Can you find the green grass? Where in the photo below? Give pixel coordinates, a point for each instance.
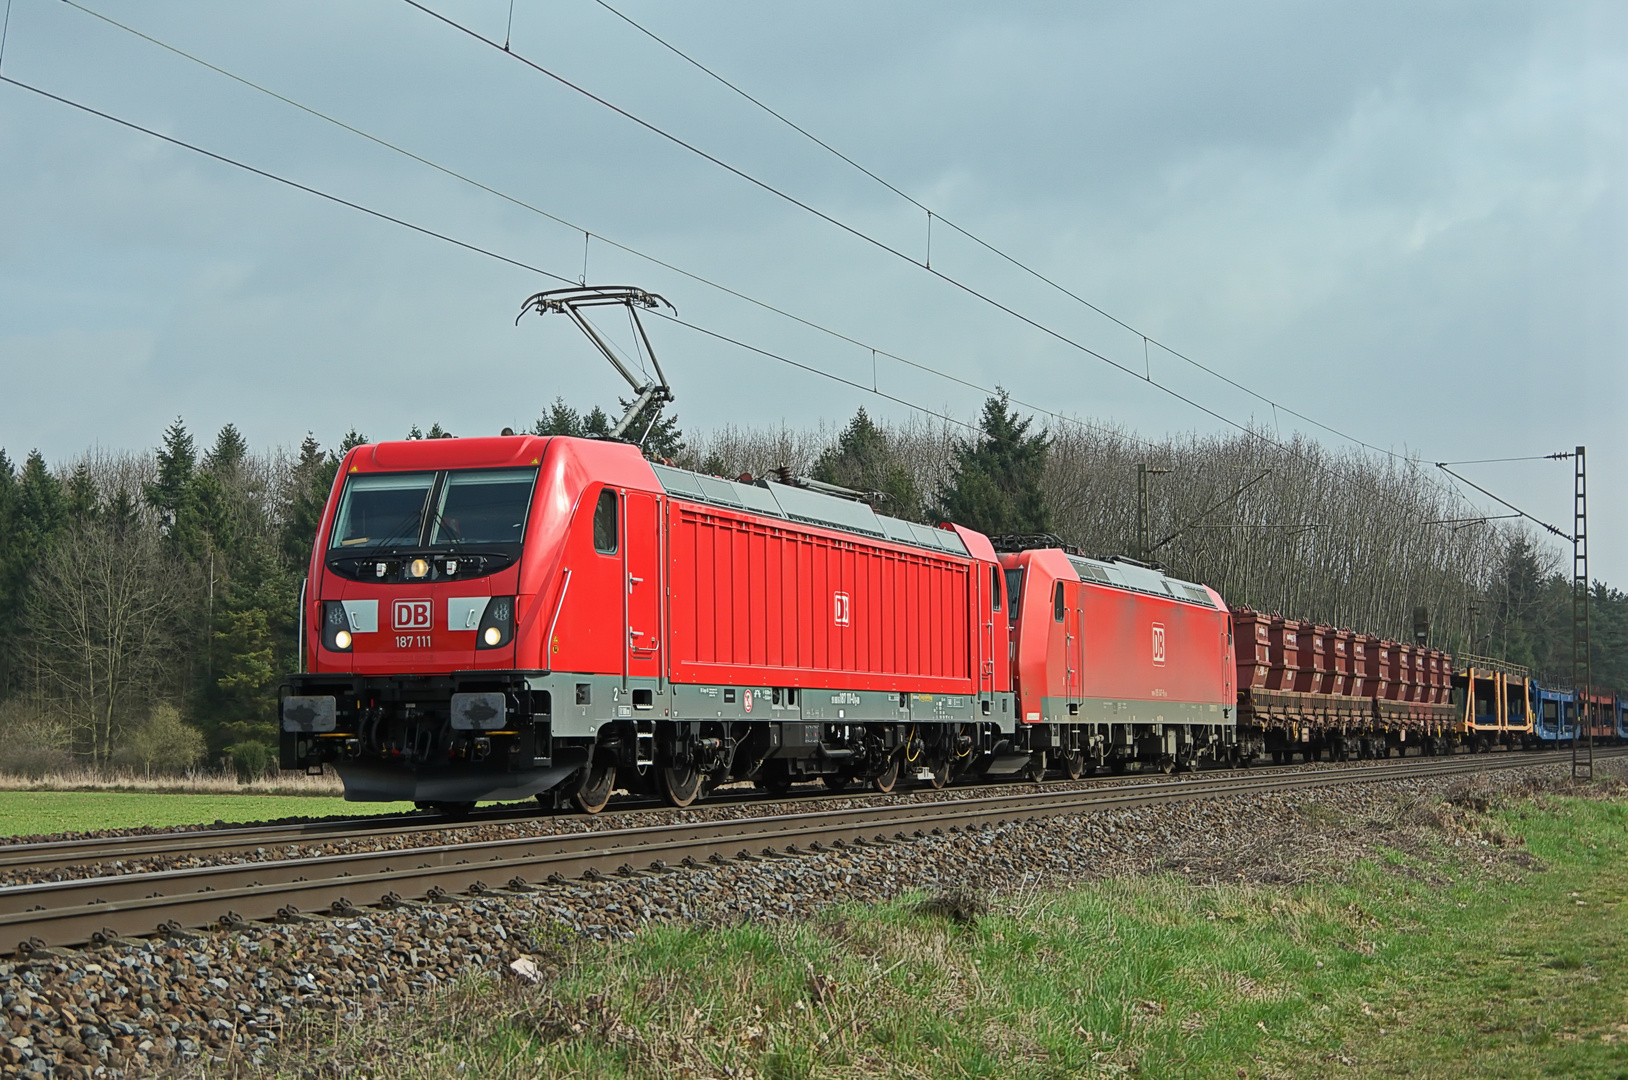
(1423, 962)
(33, 813)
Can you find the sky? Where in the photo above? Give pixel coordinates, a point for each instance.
(1407, 222)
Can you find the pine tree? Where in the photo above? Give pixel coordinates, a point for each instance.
(174, 495)
(596, 425)
(560, 419)
(996, 484)
(309, 483)
(662, 441)
(254, 645)
(863, 459)
(81, 497)
(42, 512)
(226, 457)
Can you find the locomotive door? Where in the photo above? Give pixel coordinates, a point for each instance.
(1075, 644)
(990, 607)
(642, 563)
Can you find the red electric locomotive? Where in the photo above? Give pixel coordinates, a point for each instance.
(1122, 662)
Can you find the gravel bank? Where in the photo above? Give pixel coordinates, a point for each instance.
(162, 1005)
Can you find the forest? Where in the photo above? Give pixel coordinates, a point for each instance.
(148, 601)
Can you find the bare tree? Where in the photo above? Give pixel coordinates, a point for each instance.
(1346, 538)
(102, 614)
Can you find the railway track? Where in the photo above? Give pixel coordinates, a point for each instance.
(54, 854)
(96, 909)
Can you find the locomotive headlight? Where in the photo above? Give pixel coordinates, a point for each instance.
(419, 568)
(336, 629)
(496, 624)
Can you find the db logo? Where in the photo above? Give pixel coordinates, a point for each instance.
(844, 608)
(410, 615)
(1158, 644)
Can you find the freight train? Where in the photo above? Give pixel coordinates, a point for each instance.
(516, 616)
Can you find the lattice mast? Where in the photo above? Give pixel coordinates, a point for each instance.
(1582, 747)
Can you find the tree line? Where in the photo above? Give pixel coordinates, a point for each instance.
(148, 601)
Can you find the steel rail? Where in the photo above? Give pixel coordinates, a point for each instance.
(51, 854)
(45, 854)
(74, 912)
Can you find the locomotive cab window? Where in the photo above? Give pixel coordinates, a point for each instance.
(1057, 604)
(994, 588)
(449, 509)
(382, 510)
(1014, 593)
(483, 506)
(605, 531)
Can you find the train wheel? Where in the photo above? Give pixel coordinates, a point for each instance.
(888, 778)
(1074, 764)
(941, 773)
(836, 782)
(678, 784)
(594, 788)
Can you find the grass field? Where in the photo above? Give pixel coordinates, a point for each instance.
(1436, 963)
(37, 813)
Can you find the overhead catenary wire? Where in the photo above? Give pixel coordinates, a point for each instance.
(588, 234)
(1248, 429)
(857, 232)
(5, 31)
(318, 192)
(817, 371)
(985, 244)
(1442, 465)
(873, 389)
(1495, 460)
(475, 248)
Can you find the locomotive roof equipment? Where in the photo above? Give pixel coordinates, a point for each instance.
(571, 301)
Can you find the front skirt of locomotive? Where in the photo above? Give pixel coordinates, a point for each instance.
(447, 739)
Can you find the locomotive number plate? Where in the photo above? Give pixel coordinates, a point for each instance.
(412, 641)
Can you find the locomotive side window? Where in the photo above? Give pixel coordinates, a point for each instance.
(1014, 593)
(484, 506)
(1057, 604)
(995, 588)
(382, 510)
(605, 523)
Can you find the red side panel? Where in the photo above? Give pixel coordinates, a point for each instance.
(1114, 644)
(1146, 648)
(756, 600)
